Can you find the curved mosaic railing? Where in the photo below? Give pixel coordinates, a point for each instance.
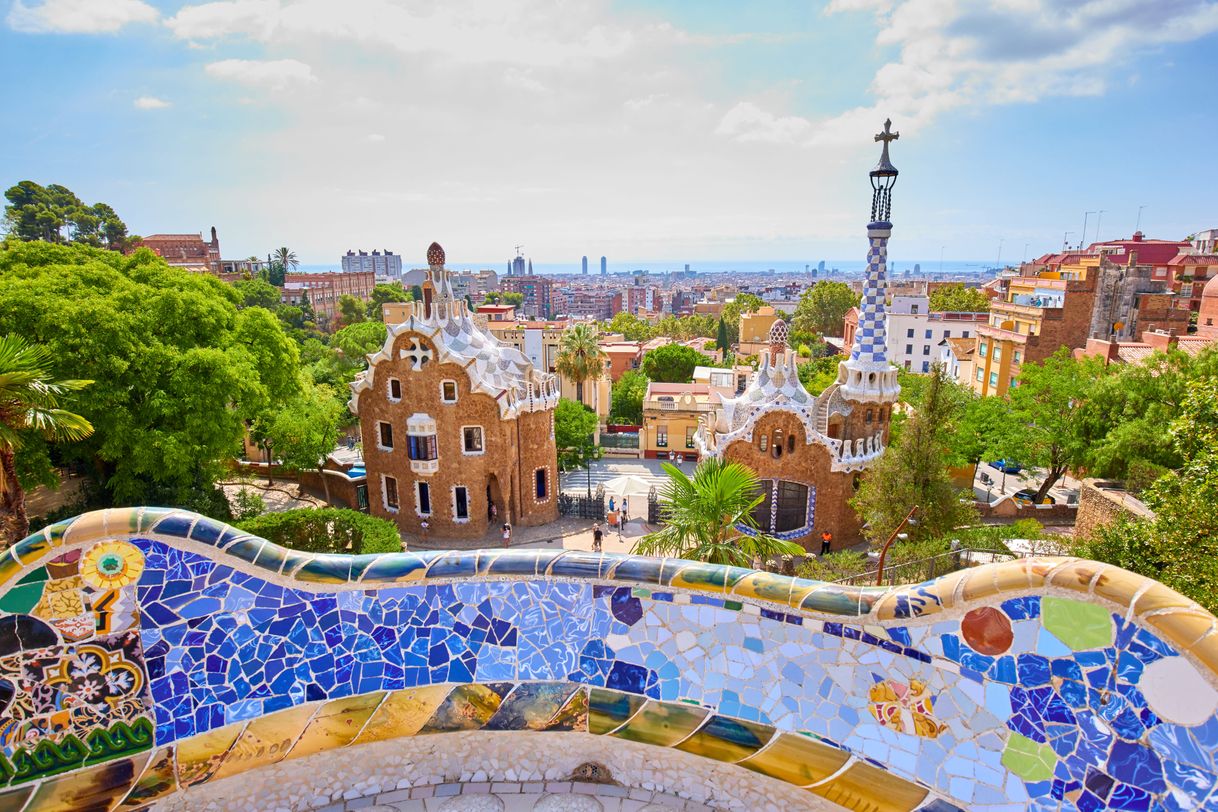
(143, 651)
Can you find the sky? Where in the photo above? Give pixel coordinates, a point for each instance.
(667, 130)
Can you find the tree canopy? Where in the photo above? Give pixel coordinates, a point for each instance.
(958, 299)
(178, 368)
(817, 374)
(913, 471)
(574, 432)
(627, 398)
(55, 214)
(631, 327)
(673, 363)
(384, 293)
(733, 310)
(580, 357)
(822, 308)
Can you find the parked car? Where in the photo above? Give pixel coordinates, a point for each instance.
(1006, 466)
(1028, 497)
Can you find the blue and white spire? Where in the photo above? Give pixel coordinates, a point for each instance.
(868, 375)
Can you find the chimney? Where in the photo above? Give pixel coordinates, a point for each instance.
(1137, 236)
(1102, 348)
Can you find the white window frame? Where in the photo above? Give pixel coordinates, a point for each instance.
(456, 391)
(418, 499)
(389, 390)
(468, 505)
(379, 434)
(385, 493)
(481, 433)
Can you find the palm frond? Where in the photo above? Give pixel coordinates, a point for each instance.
(58, 424)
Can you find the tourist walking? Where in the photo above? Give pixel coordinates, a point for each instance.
(596, 538)
(826, 542)
(507, 535)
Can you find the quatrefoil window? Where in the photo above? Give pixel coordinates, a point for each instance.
(417, 354)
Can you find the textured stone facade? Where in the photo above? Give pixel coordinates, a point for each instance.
(454, 423)
(1100, 503)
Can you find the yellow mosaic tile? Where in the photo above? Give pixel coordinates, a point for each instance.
(467, 707)
(266, 740)
(796, 759)
(1184, 628)
(727, 740)
(100, 787)
(403, 713)
(200, 756)
(662, 723)
(764, 585)
(157, 781)
(865, 788)
(573, 715)
(92, 526)
(336, 724)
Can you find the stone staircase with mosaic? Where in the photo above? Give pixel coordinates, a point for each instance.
(152, 658)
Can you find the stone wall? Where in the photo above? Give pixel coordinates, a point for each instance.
(1101, 503)
(157, 657)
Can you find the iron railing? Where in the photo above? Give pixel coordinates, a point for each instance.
(582, 505)
(925, 569)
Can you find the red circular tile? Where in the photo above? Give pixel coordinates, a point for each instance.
(987, 631)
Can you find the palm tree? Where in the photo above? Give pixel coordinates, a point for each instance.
(287, 259)
(704, 515)
(580, 357)
(29, 401)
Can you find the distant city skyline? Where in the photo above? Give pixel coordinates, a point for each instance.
(655, 129)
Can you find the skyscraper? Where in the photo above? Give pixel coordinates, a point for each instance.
(604, 267)
(530, 267)
(585, 266)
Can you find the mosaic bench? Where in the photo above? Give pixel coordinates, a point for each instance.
(147, 653)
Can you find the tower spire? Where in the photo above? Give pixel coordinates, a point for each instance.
(867, 375)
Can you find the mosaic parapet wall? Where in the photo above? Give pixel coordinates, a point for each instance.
(146, 651)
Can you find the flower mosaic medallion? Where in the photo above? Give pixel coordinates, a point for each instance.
(112, 565)
(905, 708)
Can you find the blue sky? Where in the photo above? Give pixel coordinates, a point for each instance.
(640, 130)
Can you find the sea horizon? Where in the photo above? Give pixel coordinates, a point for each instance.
(842, 266)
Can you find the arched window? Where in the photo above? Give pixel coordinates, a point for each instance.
(790, 443)
(777, 446)
(764, 442)
(868, 415)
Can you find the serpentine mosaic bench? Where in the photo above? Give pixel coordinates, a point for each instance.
(148, 654)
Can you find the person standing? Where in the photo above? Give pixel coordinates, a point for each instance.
(826, 542)
(507, 535)
(597, 535)
(625, 510)
(493, 511)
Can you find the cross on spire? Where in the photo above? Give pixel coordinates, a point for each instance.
(888, 134)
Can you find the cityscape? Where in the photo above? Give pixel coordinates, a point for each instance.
(362, 381)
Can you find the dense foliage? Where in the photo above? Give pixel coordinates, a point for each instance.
(580, 357)
(958, 299)
(627, 398)
(822, 308)
(574, 434)
(327, 530)
(673, 363)
(178, 368)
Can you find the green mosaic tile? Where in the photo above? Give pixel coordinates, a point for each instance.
(1029, 760)
(1079, 625)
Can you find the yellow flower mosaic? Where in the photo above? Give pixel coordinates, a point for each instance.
(112, 565)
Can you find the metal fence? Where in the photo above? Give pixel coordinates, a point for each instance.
(582, 505)
(925, 569)
(622, 439)
(653, 507)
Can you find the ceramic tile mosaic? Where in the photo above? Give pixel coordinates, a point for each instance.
(146, 650)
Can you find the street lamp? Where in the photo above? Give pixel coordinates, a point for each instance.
(910, 520)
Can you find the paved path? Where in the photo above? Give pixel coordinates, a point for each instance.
(576, 482)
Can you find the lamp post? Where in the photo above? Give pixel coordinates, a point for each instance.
(909, 519)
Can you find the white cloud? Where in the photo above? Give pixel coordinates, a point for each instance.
(748, 122)
(150, 103)
(256, 18)
(374, 138)
(78, 16)
(275, 74)
(956, 53)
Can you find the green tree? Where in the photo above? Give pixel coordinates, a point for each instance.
(958, 299)
(1047, 419)
(703, 517)
(55, 214)
(817, 374)
(627, 398)
(359, 340)
(178, 369)
(913, 471)
(351, 310)
(673, 363)
(721, 341)
(580, 357)
(257, 293)
(1179, 546)
(822, 308)
(304, 431)
(575, 435)
(384, 293)
(286, 259)
(631, 327)
(29, 405)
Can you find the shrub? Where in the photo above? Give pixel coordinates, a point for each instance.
(248, 505)
(834, 566)
(327, 530)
